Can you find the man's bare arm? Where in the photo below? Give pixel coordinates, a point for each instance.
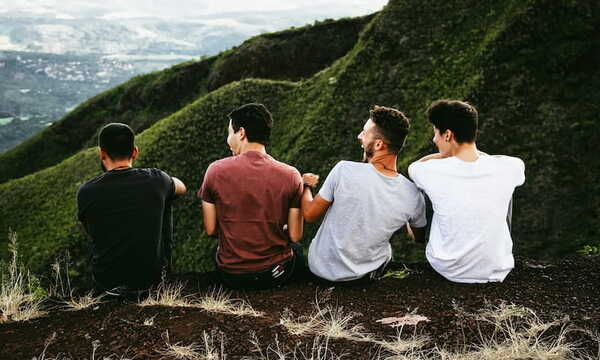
(179, 186)
(312, 209)
(209, 215)
(295, 224)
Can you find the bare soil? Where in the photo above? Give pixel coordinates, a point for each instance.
(116, 327)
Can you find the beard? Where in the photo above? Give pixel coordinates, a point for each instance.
(368, 151)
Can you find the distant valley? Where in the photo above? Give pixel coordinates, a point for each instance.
(49, 64)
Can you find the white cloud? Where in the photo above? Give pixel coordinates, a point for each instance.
(186, 8)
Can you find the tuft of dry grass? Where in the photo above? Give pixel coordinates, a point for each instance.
(318, 350)
(329, 322)
(170, 295)
(337, 324)
(220, 301)
(301, 325)
(17, 302)
(207, 351)
(83, 302)
(399, 345)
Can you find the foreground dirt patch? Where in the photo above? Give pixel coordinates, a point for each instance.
(565, 296)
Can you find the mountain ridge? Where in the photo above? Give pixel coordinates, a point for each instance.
(506, 58)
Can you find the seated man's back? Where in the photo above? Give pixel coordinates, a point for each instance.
(367, 207)
(469, 238)
(127, 213)
(363, 204)
(470, 192)
(252, 202)
(253, 194)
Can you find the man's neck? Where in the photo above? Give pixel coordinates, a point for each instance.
(385, 163)
(466, 152)
(118, 165)
(252, 146)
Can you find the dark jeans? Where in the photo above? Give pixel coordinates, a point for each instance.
(429, 215)
(278, 274)
(367, 279)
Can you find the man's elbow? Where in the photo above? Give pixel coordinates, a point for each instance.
(296, 237)
(210, 229)
(308, 216)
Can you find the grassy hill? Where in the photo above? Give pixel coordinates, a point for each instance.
(529, 66)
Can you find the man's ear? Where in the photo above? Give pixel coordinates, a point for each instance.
(448, 135)
(242, 133)
(135, 153)
(380, 144)
(102, 154)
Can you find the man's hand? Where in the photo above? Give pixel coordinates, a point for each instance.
(310, 179)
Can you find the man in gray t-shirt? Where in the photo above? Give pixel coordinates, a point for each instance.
(364, 204)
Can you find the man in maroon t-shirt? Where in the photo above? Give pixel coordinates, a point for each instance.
(253, 202)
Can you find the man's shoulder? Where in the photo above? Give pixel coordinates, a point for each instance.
(284, 166)
(223, 164)
(511, 160)
(352, 165)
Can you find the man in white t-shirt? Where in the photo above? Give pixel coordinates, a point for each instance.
(364, 204)
(471, 192)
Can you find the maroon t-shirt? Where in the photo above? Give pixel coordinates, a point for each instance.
(252, 193)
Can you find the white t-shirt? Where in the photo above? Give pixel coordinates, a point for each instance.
(367, 208)
(470, 240)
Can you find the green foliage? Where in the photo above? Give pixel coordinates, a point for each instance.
(589, 250)
(529, 67)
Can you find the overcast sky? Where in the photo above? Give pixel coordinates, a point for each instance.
(184, 8)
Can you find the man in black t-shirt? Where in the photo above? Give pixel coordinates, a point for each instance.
(126, 211)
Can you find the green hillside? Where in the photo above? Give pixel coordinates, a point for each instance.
(529, 66)
(287, 55)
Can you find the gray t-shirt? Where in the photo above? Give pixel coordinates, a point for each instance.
(367, 208)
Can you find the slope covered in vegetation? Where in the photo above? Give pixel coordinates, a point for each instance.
(529, 66)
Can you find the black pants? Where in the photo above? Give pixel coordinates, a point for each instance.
(368, 278)
(278, 274)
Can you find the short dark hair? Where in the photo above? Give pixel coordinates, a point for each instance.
(256, 121)
(117, 140)
(458, 116)
(391, 125)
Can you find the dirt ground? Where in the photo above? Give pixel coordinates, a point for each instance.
(567, 292)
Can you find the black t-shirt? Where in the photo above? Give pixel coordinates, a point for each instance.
(127, 214)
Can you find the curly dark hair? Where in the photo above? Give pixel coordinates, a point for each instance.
(391, 125)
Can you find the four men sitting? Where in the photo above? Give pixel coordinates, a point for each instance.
(256, 205)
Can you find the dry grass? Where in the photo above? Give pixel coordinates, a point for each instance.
(337, 324)
(318, 350)
(220, 301)
(329, 322)
(301, 325)
(207, 351)
(17, 302)
(82, 302)
(170, 295)
(95, 345)
(399, 345)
